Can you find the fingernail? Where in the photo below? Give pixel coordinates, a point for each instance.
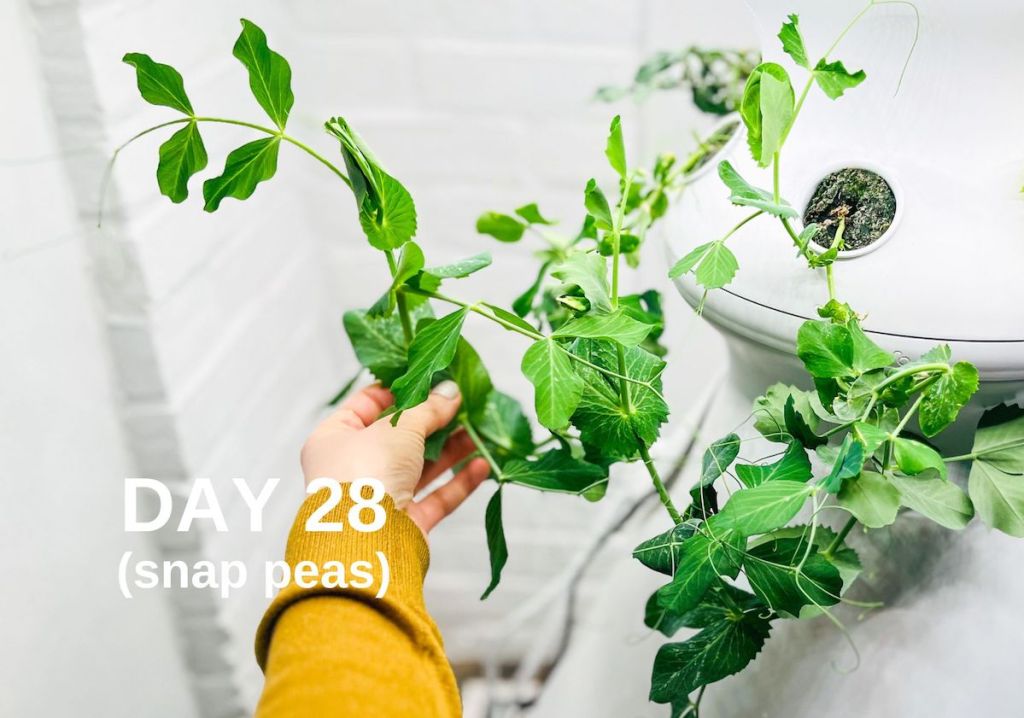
(447, 388)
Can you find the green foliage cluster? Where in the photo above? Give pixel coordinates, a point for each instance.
(595, 361)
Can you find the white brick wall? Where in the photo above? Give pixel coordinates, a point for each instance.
(224, 329)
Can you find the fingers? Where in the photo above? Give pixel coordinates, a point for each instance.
(457, 448)
(362, 408)
(435, 412)
(431, 510)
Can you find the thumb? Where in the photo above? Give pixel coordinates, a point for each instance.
(436, 412)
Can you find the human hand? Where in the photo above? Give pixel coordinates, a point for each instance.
(354, 442)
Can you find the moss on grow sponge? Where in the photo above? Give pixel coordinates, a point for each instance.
(862, 196)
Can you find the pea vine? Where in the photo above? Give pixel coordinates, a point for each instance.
(595, 361)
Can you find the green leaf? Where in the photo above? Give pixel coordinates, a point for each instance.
(942, 401)
(793, 42)
(718, 267)
(745, 194)
(602, 421)
(767, 110)
(409, 265)
(826, 349)
(379, 344)
(181, 156)
(871, 499)
(867, 356)
(244, 168)
(616, 327)
(589, 272)
(531, 214)
(834, 79)
(159, 84)
(469, 372)
(718, 458)
(662, 552)
(523, 304)
(938, 499)
(720, 650)
(913, 457)
(496, 546)
(770, 414)
(771, 570)
(502, 227)
(847, 465)
(509, 317)
(793, 466)
(871, 436)
(431, 351)
(597, 204)
(390, 220)
(996, 482)
(270, 77)
(557, 387)
(615, 150)
(555, 471)
(660, 618)
(461, 268)
(765, 507)
(798, 428)
(689, 261)
(703, 559)
(504, 425)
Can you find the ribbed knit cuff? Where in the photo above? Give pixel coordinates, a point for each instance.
(400, 541)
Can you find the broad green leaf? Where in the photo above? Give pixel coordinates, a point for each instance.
(469, 372)
(159, 84)
(771, 569)
(870, 435)
(270, 77)
(703, 559)
(943, 400)
(531, 214)
(496, 546)
(745, 194)
(502, 227)
(181, 156)
(936, 498)
(615, 150)
(826, 349)
(718, 458)
(765, 507)
(793, 42)
(689, 261)
(834, 79)
(793, 466)
(379, 344)
(557, 387)
(660, 618)
(389, 221)
(718, 267)
(602, 422)
(720, 650)
(845, 559)
(662, 552)
(848, 465)
(913, 457)
(245, 168)
(858, 396)
(996, 482)
(504, 424)
(616, 327)
(461, 268)
(767, 110)
(409, 265)
(589, 272)
(597, 204)
(867, 355)
(770, 414)
(871, 499)
(556, 471)
(507, 316)
(798, 428)
(432, 350)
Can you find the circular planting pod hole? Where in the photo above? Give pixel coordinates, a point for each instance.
(864, 198)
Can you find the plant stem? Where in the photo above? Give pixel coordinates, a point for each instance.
(659, 485)
(481, 447)
(1012, 444)
(909, 371)
(841, 536)
(403, 307)
(775, 176)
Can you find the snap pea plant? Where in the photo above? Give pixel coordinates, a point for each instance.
(594, 359)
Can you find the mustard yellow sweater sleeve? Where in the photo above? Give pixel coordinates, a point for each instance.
(343, 652)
